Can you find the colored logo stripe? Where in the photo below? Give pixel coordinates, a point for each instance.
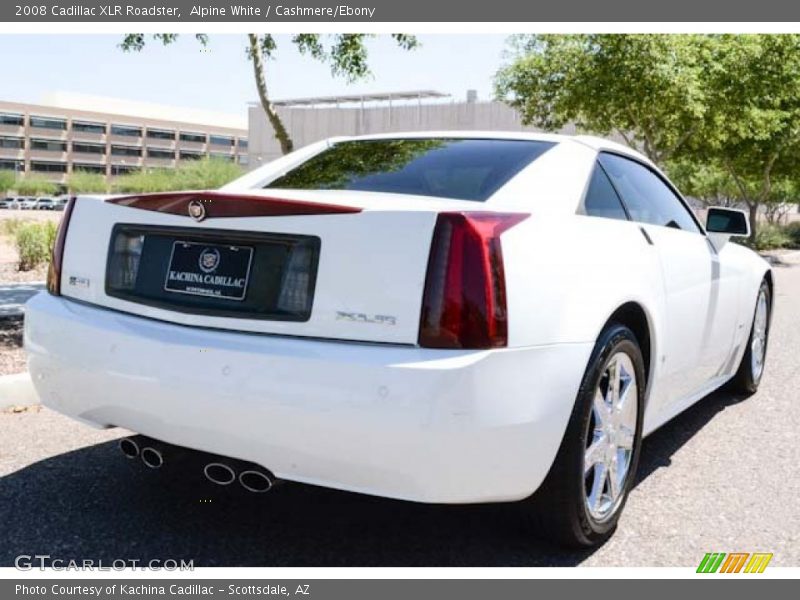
(735, 561)
(758, 562)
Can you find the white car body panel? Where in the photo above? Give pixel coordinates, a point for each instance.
(358, 405)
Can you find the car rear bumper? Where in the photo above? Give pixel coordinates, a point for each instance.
(395, 421)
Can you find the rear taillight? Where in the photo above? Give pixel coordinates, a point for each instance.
(57, 257)
(464, 304)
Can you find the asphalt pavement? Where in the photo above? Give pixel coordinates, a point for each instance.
(723, 477)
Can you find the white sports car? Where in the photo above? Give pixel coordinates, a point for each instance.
(444, 317)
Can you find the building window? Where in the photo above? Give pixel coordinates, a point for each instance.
(12, 142)
(122, 169)
(48, 123)
(48, 145)
(88, 148)
(160, 134)
(12, 165)
(126, 151)
(197, 138)
(126, 131)
(48, 167)
(221, 140)
(189, 155)
(160, 153)
(86, 127)
(222, 156)
(12, 119)
(89, 168)
(243, 143)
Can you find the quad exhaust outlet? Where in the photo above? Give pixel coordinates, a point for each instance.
(216, 469)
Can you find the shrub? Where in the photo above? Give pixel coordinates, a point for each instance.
(10, 226)
(792, 230)
(35, 185)
(771, 237)
(34, 243)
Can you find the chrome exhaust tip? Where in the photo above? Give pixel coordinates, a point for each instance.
(256, 481)
(129, 448)
(219, 473)
(152, 457)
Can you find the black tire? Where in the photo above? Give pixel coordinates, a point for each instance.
(558, 509)
(746, 381)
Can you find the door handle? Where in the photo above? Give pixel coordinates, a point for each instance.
(646, 235)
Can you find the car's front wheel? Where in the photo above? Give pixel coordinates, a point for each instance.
(583, 495)
(748, 376)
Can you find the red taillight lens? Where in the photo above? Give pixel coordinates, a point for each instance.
(57, 257)
(464, 305)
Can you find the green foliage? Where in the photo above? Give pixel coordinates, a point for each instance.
(646, 88)
(7, 181)
(708, 182)
(346, 161)
(345, 54)
(203, 174)
(10, 226)
(771, 237)
(34, 242)
(35, 185)
(792, 230)
(727, 103)
(206, 173)
(85, 182)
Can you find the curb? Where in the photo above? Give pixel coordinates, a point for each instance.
(17, 390)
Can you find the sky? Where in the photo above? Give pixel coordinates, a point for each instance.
(220, 77)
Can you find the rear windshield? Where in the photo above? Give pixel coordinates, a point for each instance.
(464, 169)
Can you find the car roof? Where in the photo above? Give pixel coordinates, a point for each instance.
(595, 142)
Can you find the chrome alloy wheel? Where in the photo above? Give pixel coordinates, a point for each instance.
(610, 437)
(758, 344)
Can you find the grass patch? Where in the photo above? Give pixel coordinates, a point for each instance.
(34, 242)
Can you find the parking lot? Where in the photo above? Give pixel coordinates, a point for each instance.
(721, 477)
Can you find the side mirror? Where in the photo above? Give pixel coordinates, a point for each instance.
(727, 221)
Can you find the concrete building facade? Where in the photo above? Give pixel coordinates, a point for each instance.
(54, 141)
(311, 120)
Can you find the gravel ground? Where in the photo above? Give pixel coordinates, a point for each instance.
(12, 356)
(721, 477)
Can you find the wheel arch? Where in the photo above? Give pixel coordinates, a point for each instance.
(635, 317)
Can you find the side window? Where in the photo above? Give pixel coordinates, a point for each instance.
(601, 199)
(647, 198)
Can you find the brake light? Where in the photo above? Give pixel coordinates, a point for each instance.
(57, 256)
(464, 303)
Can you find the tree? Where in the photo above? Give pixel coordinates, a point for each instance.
(84, 182)
(753, 122)
(35, 185)
(647, 89)
(710, 183)
(7, 181)
(727, 103)
(346, 54)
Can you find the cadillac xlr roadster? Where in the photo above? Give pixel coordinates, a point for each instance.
(443, 317)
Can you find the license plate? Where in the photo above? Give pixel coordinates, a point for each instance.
(212, 270)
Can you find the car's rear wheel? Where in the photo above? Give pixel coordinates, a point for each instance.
(582, 497)
(751, 369)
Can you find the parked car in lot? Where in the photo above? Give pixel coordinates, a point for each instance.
(7, 202)
(45, 204)
(445, 317)
(28, 203)
(60, 203)
(16, 203)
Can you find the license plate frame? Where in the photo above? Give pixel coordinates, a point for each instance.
(204, 288)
